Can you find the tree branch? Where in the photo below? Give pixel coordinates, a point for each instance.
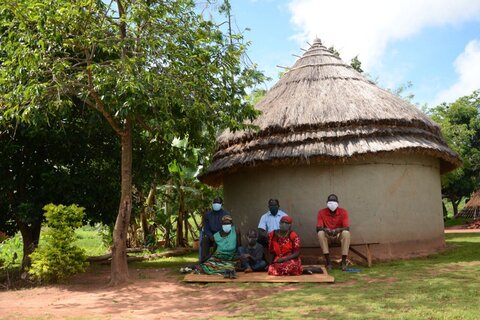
(99, 105)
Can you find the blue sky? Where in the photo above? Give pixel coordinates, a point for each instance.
(434, 44)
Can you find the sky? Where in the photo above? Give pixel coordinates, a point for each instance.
(433, 44)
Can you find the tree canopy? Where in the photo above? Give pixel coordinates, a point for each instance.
(145, 66)
(460, 124)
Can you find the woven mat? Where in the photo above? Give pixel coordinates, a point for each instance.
(261, 277)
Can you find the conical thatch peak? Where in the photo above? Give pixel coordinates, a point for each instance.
(324, 110)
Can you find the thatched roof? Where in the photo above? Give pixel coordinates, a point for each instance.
(472, 207)
(323, 110)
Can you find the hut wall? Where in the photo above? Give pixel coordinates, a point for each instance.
(393, 200)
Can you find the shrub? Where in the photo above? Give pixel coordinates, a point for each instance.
(58, 258)
(10, 252)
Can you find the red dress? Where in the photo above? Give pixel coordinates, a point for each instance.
(282, 247)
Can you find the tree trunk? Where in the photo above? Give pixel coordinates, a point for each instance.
(119, 266)
(147, 212)
(185, 228)
(455, 207)
(181, 213)
(168, 227)
(30, 237)
(445, 211)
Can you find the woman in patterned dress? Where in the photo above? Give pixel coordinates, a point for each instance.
(224, 256)
(284, 244)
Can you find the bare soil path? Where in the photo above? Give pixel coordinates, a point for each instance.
(151, 294)
(461, 229)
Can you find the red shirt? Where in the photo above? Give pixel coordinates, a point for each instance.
(325, 219)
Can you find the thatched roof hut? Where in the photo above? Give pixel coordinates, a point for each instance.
(326, 128)
(472, 207)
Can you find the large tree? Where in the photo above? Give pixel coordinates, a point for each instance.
(460, 124)
(150, 65)
(69, 159)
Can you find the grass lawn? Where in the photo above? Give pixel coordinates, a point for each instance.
(443, 286)
(90, 239)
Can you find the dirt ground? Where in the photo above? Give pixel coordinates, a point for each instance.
(461, 229)
(151, 294)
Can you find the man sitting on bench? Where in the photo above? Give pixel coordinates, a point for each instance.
(333, 225)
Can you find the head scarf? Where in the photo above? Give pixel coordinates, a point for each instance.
(287, 219)
(227, 218)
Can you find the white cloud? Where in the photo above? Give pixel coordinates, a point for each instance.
(467, 66)
(366, 27)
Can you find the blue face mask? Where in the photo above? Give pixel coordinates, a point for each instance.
(216, 206)
(226, 227)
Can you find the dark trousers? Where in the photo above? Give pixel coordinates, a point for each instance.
(206, 245)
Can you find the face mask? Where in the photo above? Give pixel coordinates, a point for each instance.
(273, 210)
(332, 205)
(284, 226)
(226, 227)
(216, 206)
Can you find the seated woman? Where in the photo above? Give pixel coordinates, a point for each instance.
(284, 244)
(224, 257)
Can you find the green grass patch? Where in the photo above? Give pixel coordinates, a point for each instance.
(169, 262)
(90, 239)
(449, 222)
(442, 286)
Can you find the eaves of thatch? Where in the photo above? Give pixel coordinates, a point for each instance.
(472, 207)
(322, 110)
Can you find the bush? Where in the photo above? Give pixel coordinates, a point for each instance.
(10, 252)
(58, 258)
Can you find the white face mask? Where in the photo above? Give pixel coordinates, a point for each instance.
(216, 206)
(332, 205)
(226, 227)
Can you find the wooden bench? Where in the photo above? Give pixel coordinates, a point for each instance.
(367, 258)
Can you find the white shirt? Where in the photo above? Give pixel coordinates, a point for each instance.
(270, 222)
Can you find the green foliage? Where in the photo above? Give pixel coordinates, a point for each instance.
(183, 196)
(154, 70)
(89, 238)
(449, 222)
(356, 64)
(162, 64)
(106, 235)
(334, 51)
(401, 91)
(460, 124)
(58, 257)
(10, 252)
(61, 160)
(256, 95)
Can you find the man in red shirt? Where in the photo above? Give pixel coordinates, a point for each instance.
(333, 225)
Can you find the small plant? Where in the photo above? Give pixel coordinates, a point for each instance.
(106, 233)
(58, 258)
(10, 257)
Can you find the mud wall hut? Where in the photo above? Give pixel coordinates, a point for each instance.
(325, 128)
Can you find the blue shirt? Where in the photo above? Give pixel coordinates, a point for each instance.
(212, 222)
(270, 222)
